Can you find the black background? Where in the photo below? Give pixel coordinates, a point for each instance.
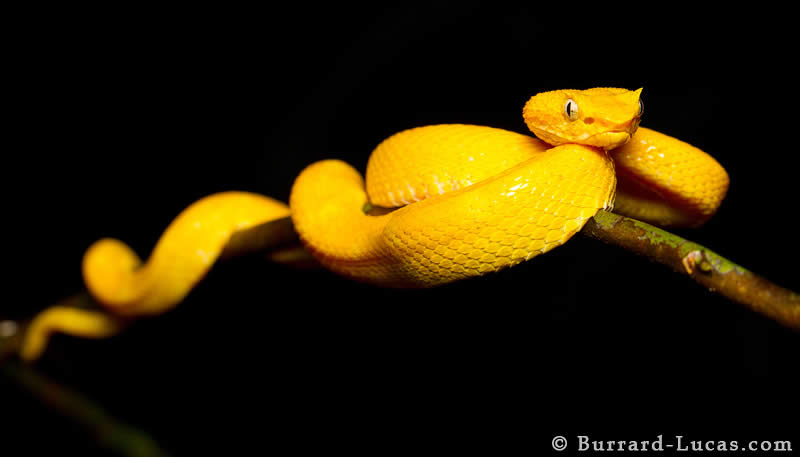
(122, 117)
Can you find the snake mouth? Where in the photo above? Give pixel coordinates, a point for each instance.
(609, 140)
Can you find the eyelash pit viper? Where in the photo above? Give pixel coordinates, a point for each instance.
(470, 200)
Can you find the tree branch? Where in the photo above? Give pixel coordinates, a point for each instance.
(269, 236)
(280, 242)
(121, 438)
(704, 266)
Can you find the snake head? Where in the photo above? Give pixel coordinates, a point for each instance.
(604, 117)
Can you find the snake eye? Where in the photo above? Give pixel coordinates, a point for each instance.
(571, 109)
(641, 108)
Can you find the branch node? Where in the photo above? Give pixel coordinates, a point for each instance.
(696, 259)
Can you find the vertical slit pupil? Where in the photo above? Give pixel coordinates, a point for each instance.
(571, 109)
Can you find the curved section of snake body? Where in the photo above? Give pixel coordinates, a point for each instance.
(117, 278)
(467, 229)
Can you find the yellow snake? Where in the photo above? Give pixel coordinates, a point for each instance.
(470, 199)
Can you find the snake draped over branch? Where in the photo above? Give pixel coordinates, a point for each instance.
(457, 201)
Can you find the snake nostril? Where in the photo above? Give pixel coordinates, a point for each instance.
(588, 120)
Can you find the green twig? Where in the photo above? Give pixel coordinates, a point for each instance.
(266, 237)
(121, 438)
(685, 257)
(111, 434)
(703, 265)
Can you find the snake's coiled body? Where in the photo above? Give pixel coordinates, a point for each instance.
(467, 230)
(471, 200)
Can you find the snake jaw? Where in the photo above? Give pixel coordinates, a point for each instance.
(609, 140)
(615, 135)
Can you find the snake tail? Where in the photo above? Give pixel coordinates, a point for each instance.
(117, 278)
